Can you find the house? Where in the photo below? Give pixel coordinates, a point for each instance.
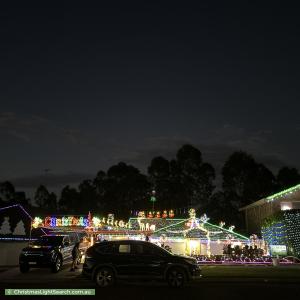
(257, 212)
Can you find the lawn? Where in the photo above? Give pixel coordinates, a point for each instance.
(266, 272)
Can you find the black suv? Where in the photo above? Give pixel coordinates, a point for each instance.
(48, 251)
(106, 262)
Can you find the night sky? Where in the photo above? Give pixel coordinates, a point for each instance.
(86, 86)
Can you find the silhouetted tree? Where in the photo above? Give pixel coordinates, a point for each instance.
(287, 177)
(69, 201)
(88, 196)
(125, 189)
(196, 177)
(7, 191)
(52, 203)
(246, 179)
(20, 197)
(159, 176)
(41, 196)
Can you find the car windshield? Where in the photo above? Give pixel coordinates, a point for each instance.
(48, 241)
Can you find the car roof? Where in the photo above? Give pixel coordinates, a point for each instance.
(125, 241)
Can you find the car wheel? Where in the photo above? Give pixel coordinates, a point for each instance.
(57, 265)
(24, 268)
(176, 277)
(105, 277)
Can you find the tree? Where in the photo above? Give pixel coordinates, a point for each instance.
(20, 197)
(125, 190)
(196, 177)
(41, 196)
(69, 201)
(7, 191)
(88, 195)
(52, 202)
(223, 207)
(5, 227)
(20, 229)
(159, 176)
(45, 200)
(287, 177)
(245, 180)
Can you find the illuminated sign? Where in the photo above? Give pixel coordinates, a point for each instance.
(66, 221)
(78, 221)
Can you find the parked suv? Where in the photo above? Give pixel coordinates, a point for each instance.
(48, 251)
(106, 262)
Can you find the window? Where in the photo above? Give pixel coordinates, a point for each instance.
(124, 248)
(106, 248)
(148, 249)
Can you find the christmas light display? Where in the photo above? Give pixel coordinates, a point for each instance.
(19, 206)
(283, 193)
(284, 229)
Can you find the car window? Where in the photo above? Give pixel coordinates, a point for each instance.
(124, 248)
(148, 249)
(48, 240)
(106, 248)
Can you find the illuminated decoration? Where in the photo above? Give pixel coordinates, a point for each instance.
(65, 221)
(192, 213)
(153, 199)
(24, 212)
(96, 222)
(283, 193)
(20, 229)
(171, 213)
(89, 219)
(186, 228)
(37, 222)
(5, 227)
(110, 219)
(231, 228)
(283, 229)
(222, 224)
(204, 219)
(145, 226)
(156, 214)
(141, 214)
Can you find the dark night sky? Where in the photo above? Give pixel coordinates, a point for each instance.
(85, 86)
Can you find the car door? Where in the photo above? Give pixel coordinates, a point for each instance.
(150, 260)
(66, 249)
(123, 259)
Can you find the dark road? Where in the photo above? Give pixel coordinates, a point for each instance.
(201, 289)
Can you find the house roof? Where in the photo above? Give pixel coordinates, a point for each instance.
(274, 197)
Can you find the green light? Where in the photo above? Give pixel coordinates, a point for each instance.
(271, 198)
(171, 225)
(231, 232)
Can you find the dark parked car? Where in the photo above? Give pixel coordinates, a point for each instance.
(109, 261)
(48, 251)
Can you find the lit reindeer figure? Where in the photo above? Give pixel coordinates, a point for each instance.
(152, 227)
(231, 228)
(142, 225)
(222, 224)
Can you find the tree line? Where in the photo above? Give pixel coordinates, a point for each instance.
(180, 183)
